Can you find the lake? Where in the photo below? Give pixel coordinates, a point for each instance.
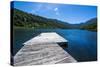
(82, 44)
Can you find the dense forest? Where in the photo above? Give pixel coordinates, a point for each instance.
(23, 19)
(90, 25)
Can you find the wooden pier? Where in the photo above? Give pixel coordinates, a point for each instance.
(43, 49)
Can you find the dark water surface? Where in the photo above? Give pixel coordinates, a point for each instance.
(82, 44)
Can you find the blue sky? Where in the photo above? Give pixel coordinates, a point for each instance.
(73, 14)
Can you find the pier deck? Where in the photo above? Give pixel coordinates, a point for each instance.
(39, 51)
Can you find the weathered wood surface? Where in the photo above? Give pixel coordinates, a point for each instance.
(50, 37)
(42, 53)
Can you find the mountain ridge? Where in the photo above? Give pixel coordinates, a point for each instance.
(27, 20)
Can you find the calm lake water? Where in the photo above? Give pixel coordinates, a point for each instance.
(82, 44)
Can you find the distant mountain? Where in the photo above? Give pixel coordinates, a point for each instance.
(90, 24)
(27, 20)
(23, 19)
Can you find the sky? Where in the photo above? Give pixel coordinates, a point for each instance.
(73, 14)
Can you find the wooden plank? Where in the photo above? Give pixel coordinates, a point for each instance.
(46, 38)
(41, 53)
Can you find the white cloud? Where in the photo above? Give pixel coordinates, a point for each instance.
(57, 13)
(45, 8)
(56, 9)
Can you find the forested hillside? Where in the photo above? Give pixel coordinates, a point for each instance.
(90, 25)
(23, 19)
